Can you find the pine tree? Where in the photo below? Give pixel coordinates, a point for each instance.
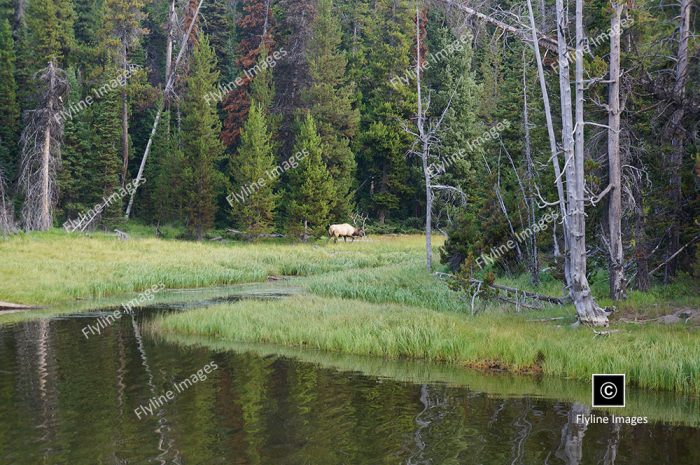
(330, 100)
(9, 109)
(87, 20)
(6, 10)
(105, 150)
(121, 34)
(253, 173)
(50, 32)
(310, 191)
(219, 26)
(166, 187)
(292, 73)
(392, 184)
(262, 88)
(76, 179)
(200, 139)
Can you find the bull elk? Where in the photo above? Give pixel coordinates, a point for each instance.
(346, 230)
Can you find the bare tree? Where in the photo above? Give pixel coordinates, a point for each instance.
(529, 179)
(617, 277)
(554, 150)
(589, 313)
(41, 150)
(172, 18)
(426, 137)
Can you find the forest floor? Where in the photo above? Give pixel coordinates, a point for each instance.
(370, 297)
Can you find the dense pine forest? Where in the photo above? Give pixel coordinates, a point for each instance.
(548, 137)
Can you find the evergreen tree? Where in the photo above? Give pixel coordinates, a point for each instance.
(393, 185)
(166, 187)
(219, 26)
(262, 88)
(330, 100)
(49, 32)
(87, 20)
(292, 73)
(104, 152)
(121, 34)
(310, 191)
(200, 140)
(253, 173)
(9, 109)
(77, 177)
(6, 10)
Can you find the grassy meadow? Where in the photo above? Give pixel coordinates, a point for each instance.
(55, 267)
(371, 297)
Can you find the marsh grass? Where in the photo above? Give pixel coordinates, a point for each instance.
(663, 406)
(404, 283)
(652, 357)
(55, 267)
(370, 297)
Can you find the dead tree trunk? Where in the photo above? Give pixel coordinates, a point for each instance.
(425, 150)
(125, 129)
(41, 151)
(641, 255)
(589, 313)
(170, 39)
(678, 137)
(552, 143)
(529, 179)
(617, 278)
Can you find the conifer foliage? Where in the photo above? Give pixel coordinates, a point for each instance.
(200, 139)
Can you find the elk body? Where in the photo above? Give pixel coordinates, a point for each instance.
(344, 230)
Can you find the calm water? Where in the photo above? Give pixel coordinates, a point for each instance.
(65, 399)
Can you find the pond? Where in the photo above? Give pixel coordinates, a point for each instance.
(125, 396)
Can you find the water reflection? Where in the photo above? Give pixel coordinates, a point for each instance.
(65, 399)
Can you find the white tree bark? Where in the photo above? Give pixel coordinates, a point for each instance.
(529, 177)
(588, 312)
(617, 278)
(170, 39)
(552, 142)
(425, 151)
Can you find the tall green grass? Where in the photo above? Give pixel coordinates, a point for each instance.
(405, 283)
(663, 406)
(652, 356)
(53, 267)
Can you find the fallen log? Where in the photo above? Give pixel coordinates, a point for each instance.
(235, 232)
(11, 306)
(121, 235)
(527, 294)
(605, 333)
